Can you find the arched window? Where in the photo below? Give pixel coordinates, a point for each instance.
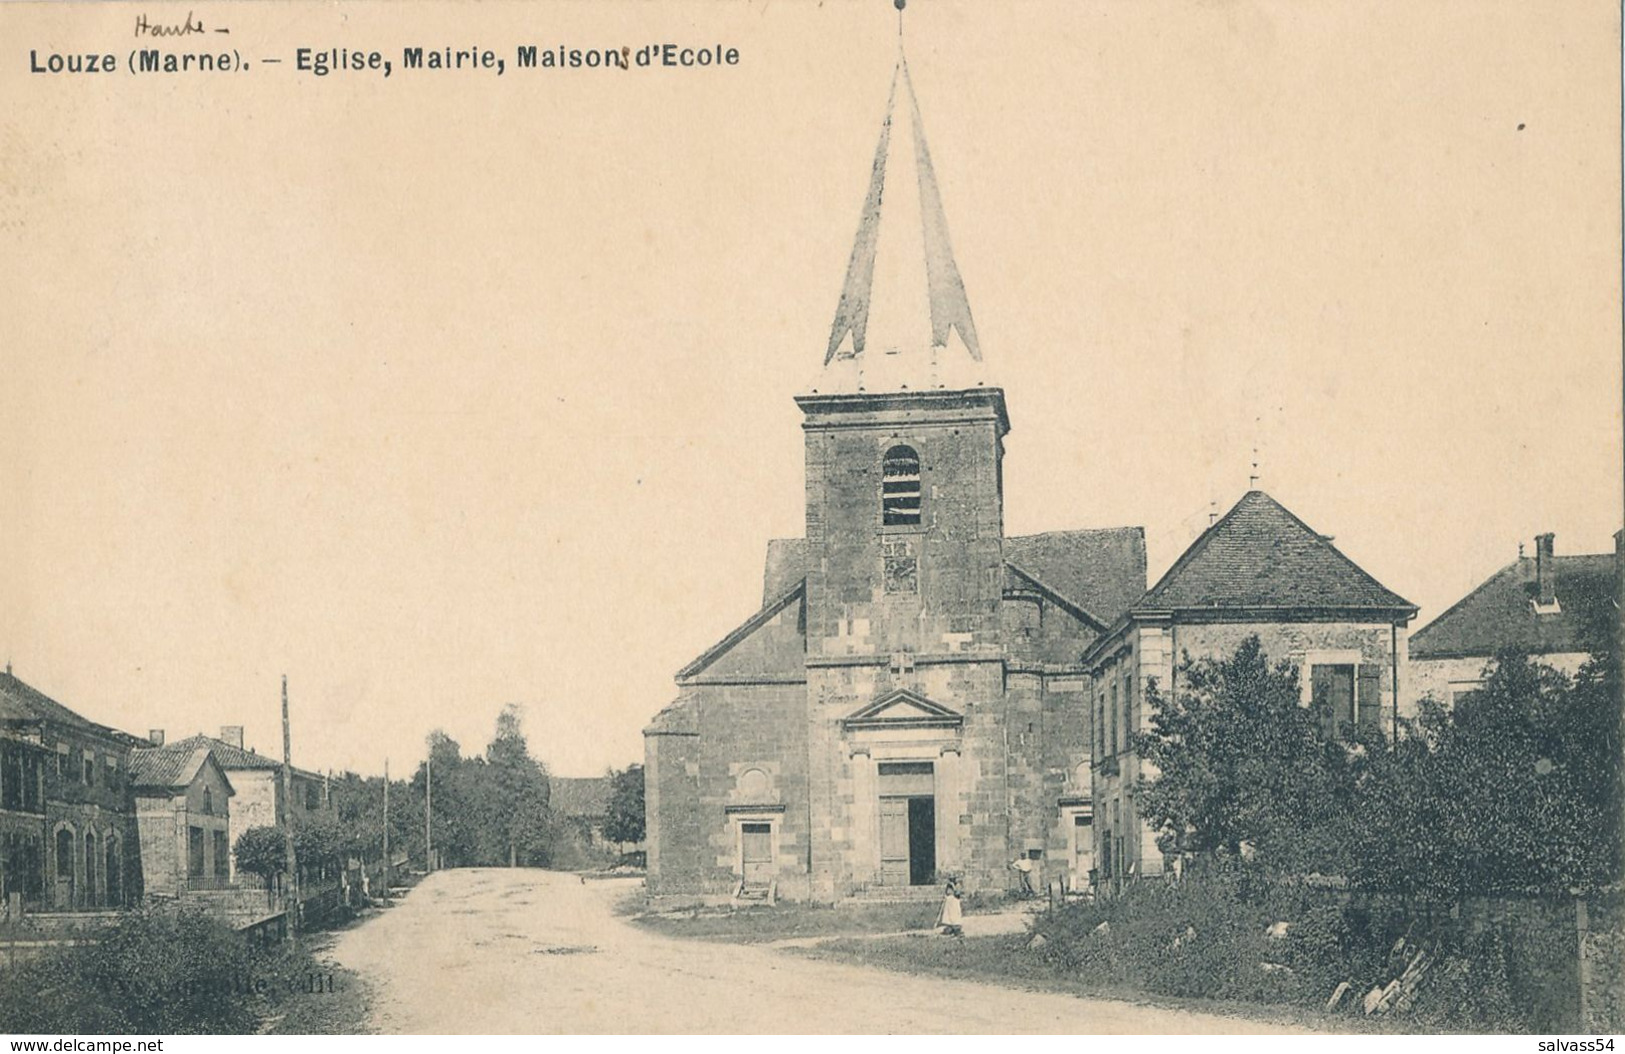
(114, 874)
(900, 487)
(64, 853)
(90, 867)
(208, 802)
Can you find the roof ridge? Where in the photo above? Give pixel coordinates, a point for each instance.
(1076, 608)
(1494, 577)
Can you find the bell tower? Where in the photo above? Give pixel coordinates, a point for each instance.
(905, 536)
(904, 436)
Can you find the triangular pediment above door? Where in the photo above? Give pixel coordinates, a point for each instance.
(902, 708)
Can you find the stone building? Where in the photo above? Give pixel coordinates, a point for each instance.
(256, 780)
(67, 823)
(1256, 571)
(1556, 609)
(908, 702)
(183, 808)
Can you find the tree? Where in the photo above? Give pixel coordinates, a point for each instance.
(1515, 790)
(624, 821)
(517, 798)
(261, 851)
(319, 842)
(1241, 760)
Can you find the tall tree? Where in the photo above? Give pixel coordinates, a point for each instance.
(518, 792)
(624, 821)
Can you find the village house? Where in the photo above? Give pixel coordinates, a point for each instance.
(1256, 571)
(183, 808)
(1556, 609)
(259, 799)
(67, 820)
(908, 702)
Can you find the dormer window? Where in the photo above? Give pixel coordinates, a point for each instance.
(900, 487)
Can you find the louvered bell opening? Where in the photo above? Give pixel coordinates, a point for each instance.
(900, 487)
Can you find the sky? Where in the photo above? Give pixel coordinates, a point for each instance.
(447, 391)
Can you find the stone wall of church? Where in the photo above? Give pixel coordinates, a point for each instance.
(741, 757)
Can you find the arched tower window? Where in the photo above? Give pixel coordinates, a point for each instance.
(900, 487)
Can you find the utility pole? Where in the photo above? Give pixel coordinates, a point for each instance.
(386, 828)
(428, 812)
(291, 893)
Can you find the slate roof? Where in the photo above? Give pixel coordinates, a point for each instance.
(1259, 555)
(1498, 614)
(1102, 571)
(23, 702)
(169, 767)
(584, 797)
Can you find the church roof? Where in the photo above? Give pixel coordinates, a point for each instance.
(1101, 571)
(1260, 556)
(903, 320)
(1500, 613)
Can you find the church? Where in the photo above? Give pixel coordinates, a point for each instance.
(909, 703)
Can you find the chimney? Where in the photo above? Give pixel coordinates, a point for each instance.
(1545, 570)
(155, 736)
(232, 735)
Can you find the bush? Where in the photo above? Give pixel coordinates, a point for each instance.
(1209, 937)
(152, 972)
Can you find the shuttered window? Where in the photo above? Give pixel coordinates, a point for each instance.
(900, 487)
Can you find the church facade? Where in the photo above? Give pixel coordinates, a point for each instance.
(909, 703)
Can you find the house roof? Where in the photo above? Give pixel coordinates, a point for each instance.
(229, 757)
(1499, 613)
(573, 796)
(23, 702)
(1260, 556)
(171, 767)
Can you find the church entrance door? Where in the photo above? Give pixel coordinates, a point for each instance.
(908, 824)
(922, 841)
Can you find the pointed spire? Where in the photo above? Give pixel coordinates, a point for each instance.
(903, 295)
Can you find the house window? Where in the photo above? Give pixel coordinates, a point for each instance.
(19, 778)
(1347, 695)
(208, 802)
(313, 797)
(64, 854)
(90, 866)
(1128, 707)
(900, 487)
(1111, 737)
(222, 856)
(194, 852)
(114, 872)
(1332, 688)
(90, 769)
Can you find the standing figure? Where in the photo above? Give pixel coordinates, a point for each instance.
(951, 920)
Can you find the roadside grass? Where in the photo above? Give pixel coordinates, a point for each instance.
(758, 924)
(1006, 961)
(315, 996)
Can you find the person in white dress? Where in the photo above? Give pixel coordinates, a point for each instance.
(951, 920)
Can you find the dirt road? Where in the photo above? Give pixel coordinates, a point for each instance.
(497, 951)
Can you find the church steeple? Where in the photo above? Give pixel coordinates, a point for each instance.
(903, 321)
